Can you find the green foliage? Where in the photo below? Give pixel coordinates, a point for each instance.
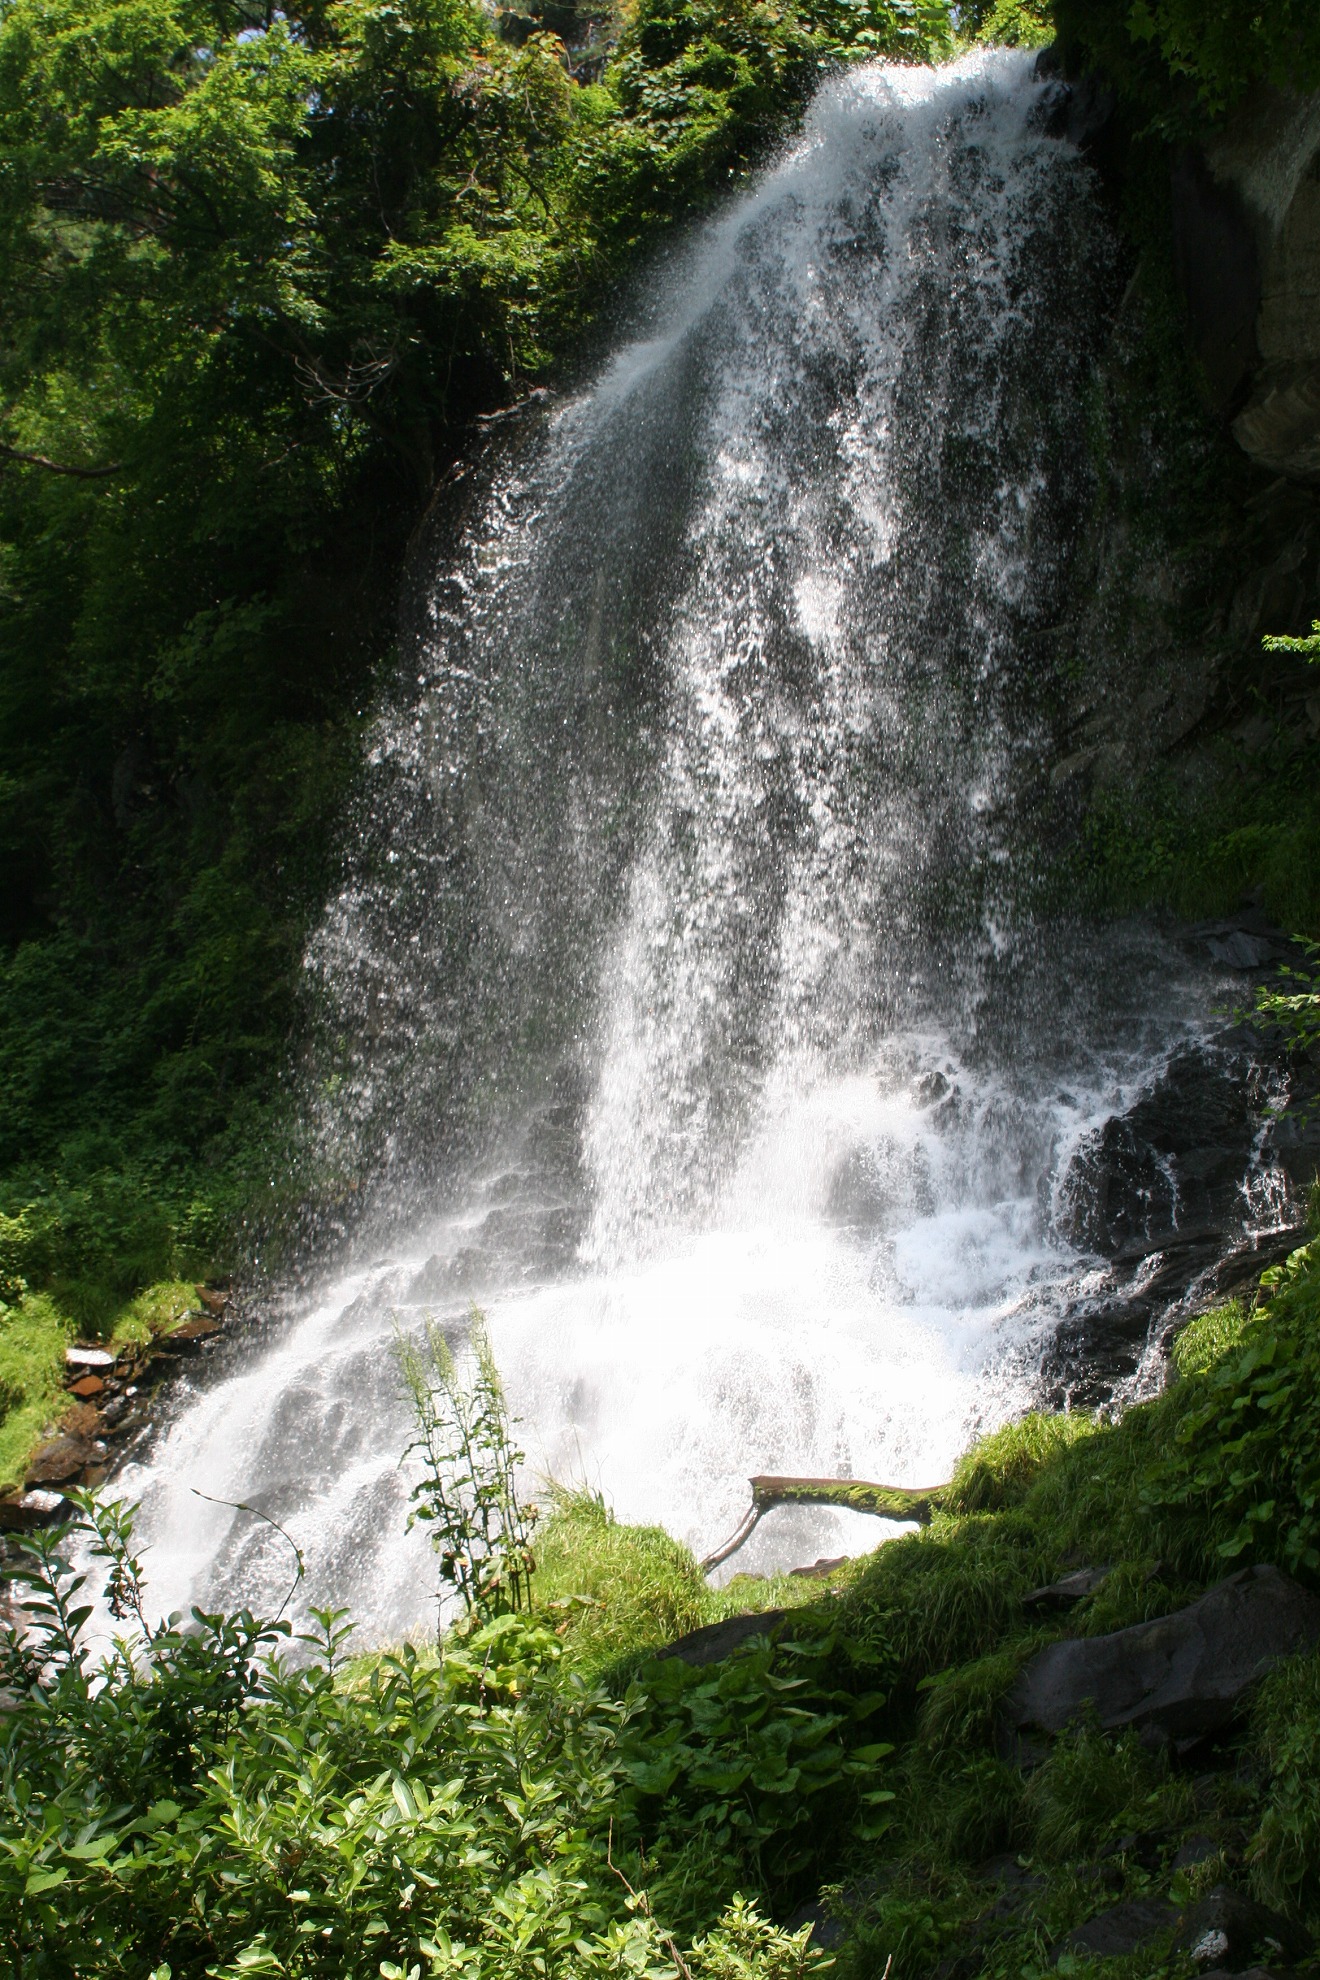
(1247, 823)
(1179, 59)
(33, 1337)
(1247, 1453)
(1285, 1854)
(748, 1760)
(1012, 23)
(1295, 1011)
(1308, 646)
(194, 1805)
(467, 1494)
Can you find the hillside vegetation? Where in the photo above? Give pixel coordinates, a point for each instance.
(544, 1796)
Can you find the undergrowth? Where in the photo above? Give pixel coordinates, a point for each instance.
(543, 1794)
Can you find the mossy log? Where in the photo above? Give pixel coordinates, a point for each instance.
(852, 1494)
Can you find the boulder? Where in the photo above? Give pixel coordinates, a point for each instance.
(1176, 1158)
(30, 1510)
(89, 1360)
(1124, 1928)
(1180, 1677)
(827, 1931)
(1067, 1590)
(1218, 272)
(716, 1641)
(62, 1461)
(1228, 1930)
(190, 1336)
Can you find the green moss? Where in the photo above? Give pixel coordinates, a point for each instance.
(1285, 1854)
(619, 1592)
(947, 1595)
(1208, 1338)
(1000, 1470)
(616, 1591)
(958, 1706)
(34, 1332)
(1092, 1787)
(33, 1336)
(157, 1310)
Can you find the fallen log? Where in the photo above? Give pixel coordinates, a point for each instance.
(850, 1494)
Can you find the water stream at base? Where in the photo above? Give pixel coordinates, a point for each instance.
(690, 1023)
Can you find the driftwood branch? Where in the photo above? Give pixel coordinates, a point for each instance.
(849, 1494)
(57, 467)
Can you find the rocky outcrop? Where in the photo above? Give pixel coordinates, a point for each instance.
(1223, 1931)
(108, 1408)
(1179, 1678)
(1247, 221)
(716, 1641)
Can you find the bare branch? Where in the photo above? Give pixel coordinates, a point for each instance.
(57, 467)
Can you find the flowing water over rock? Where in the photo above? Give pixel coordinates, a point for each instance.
(679, 1006)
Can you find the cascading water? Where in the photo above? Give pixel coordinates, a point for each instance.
(690, 1024)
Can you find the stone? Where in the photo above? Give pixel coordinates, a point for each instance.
(1252, 1973)
(89, 1360)
(716, 1641)
(1124, 1928)
(29, 1510)
(1268, 155)
(1241, 950)
(1069, 1589)
(1179, 1152)
(189, 1337)
(212, 1299)
(83, 1420)
(827, 1932)
(1180, 1677)
(1217, 268)
(1225, 1929)
(1280, 425)
(61, 1462)
(1196, 1849)
(86, 1387)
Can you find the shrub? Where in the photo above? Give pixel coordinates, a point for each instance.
(1285, 1854)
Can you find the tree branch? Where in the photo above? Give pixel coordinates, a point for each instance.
(57, 467)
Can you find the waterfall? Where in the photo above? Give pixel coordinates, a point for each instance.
(680, 1004)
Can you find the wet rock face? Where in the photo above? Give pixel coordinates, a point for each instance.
(1184, 1199)
(1267, 162)
(1174, 1161)
(1123, 1929)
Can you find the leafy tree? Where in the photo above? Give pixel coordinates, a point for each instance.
(1182, 61)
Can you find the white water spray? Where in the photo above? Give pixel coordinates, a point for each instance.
(661, 1045)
